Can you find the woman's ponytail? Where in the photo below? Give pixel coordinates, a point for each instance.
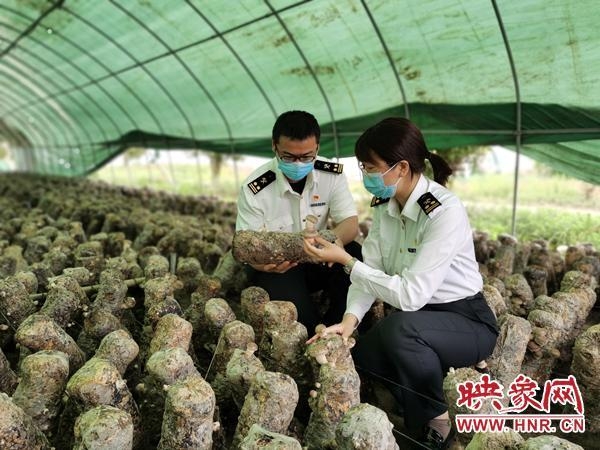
(441, 169)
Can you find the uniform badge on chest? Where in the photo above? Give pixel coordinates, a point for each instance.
(315, 201)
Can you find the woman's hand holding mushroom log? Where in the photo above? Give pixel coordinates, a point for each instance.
(274, 268)
(321, 250)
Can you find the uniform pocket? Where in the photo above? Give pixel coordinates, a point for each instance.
(281, 223)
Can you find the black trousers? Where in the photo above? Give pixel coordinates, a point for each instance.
(414, 350)
(298, 283)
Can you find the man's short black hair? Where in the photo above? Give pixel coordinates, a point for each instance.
(297, 125)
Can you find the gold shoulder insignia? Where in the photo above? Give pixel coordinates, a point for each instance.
(428, 202)
(376, 201)
(328, 166)
(262, 182)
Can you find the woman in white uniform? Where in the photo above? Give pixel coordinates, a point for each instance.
(419, 258)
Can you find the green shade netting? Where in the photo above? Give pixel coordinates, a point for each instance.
(80, 81)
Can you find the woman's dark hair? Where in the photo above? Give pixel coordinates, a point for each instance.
(395, 139)
(297, 125)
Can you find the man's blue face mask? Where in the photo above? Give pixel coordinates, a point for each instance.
(374, 183)
(295, 171)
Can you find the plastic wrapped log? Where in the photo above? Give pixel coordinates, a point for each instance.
(208, 287)
(511, 345)
(272, 247)
(231, 273)
(195, 315)
(40, 396)
(170, 365)
(188, 417)
(537, 278)
(40, 332)
(119, 348)
(208, 253)
(586, 368)
(502, 264)
(79, 274)
(99, 382)
(91, 256)
(279, 312)
(270, 403)
(365, 427)
(234, 335)
(217, 313)
(171, 331)
(520, 296)
(542, 257)
(29, 280)
(12, 261)
(557, 321)
(164, 368)
(338, 389)
(451, 381)
(15, 304)
(37, 247)
(17, 430)
(104, 428)
(504, 439)
(241, 370)
(43, 273)
(8, 379)
(189, 272)
(260, 439)
(130, 270)
(574, 253)
(575, 279)
(548, 441)
(522, 253)
(160, 309)
(283, 341)
(253, 300)
(494, 300)
(589, 265)
(482, 250)
(97, 324)
(63, 306)
(158, 289)
(156, 267)
(112, 293)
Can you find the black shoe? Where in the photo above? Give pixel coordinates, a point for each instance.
(482, 370)
(434, 440)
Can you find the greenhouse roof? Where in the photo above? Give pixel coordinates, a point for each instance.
(81, 81)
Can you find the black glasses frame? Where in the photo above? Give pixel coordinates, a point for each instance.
(293, 158)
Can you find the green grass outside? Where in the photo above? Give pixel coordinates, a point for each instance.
(561, 210)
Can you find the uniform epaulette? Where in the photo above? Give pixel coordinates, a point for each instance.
(428, 202)
(328, 166)
(262, 181)
(376, 201)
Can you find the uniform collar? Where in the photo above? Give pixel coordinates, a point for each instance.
(411, 209)
(283, 184)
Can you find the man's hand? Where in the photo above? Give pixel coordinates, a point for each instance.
(345, 329)
(274, 268)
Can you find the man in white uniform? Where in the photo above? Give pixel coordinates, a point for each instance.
(279, 195)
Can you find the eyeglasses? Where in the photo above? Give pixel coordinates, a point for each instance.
(364, 170)
(288, 157)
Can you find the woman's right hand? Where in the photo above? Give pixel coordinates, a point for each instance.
(345, 329)
(274, 268)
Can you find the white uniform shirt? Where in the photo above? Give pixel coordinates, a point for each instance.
(411, 258)
(276, 207)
